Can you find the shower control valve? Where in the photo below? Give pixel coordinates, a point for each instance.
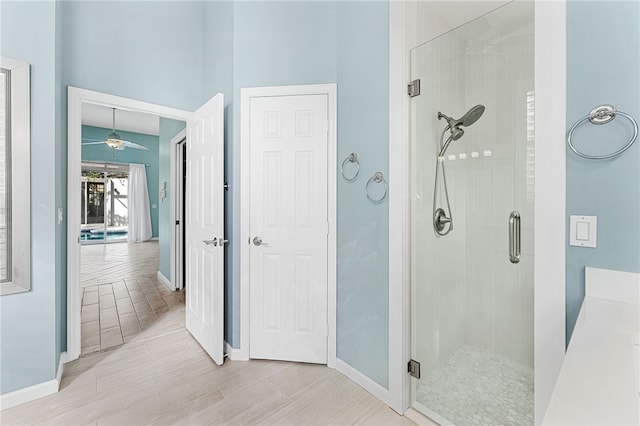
(440, 220)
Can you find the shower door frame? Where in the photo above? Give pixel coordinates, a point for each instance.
(550, 195)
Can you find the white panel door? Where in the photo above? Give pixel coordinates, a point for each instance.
(205, 227)
(288, 283)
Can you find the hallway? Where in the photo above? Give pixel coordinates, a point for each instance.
(122, 299)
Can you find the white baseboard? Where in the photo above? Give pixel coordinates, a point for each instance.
(31, 393)
(235, 354)
(63, 361)
(363, 381)
(165, 281)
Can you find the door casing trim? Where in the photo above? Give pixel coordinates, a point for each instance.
(246, 94)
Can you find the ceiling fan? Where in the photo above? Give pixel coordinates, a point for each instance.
(113, 139)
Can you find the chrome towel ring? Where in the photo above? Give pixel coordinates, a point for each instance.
(377, 178)
(353, 159)
(602, 115)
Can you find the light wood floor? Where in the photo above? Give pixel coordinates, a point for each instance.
(171, 380)
(162, 376)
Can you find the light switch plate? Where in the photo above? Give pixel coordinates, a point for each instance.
(583, 231)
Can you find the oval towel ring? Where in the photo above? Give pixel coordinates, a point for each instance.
(378, 177)
(352, 158)
(602, 115)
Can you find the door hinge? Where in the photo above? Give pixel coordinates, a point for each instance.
(413, 88)
(226, 186)
(413, 368)
(177, 222)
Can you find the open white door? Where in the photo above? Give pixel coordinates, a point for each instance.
(205, 227)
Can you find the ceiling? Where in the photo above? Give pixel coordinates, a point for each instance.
(130, 121)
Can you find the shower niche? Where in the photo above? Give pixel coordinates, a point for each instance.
(472, 325)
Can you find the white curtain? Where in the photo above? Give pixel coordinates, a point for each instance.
(138, 197)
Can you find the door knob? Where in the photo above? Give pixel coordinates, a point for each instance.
(257, 241)
(213, 242)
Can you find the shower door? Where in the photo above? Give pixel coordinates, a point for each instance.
(472, 308)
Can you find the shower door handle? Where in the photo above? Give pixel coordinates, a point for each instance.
(514, 237)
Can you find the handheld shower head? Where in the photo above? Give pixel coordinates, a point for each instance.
(456, 133)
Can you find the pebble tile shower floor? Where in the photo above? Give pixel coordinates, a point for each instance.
(477, 387)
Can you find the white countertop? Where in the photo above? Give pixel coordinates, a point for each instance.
(598, 382)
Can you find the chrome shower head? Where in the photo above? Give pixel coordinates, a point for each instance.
(466, 120)
(454, 125)
(472, 116)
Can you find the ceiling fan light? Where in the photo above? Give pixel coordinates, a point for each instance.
(114, 143)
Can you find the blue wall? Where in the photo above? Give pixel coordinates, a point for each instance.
(603, 66)
(363, 227)
(102, 152)
(275, 43)
(218, 46)
(168, 129)
(179, 54)
(153, 54)
(286, 43)
(61, 196)
(29, 338)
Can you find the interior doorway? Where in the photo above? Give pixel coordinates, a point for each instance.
(202, 313)
(179, 183)
(111, 257)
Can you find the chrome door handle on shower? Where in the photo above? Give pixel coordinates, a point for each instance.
(514, 237)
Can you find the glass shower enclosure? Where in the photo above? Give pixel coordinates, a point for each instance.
(472, 242)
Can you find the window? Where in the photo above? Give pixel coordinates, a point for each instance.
(15, 217)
